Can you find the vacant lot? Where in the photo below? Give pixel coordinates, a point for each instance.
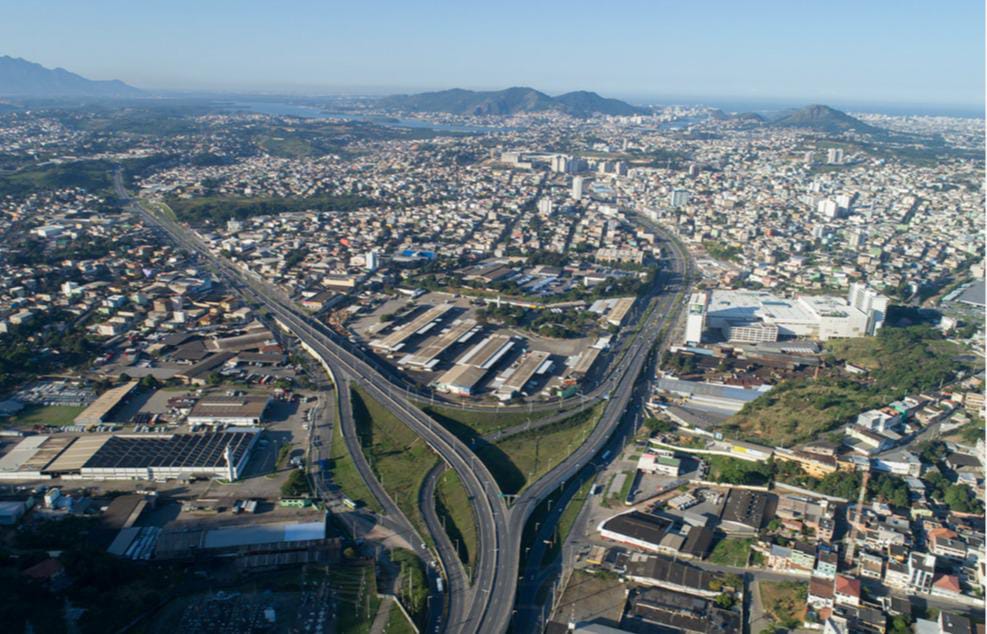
(731, 551)
(30, 416)
(784, 601)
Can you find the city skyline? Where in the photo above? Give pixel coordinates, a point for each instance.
(886, 55)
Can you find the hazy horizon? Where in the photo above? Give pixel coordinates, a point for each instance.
(881, 52)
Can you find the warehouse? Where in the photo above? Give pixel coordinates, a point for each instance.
(460, 380)
(125, 457)
(27, 460)
(271, 544)
(535, 362)
(428, 356)
(488, 352)
(581, 366)
(229, 410)
(100, 409)
(417, 326)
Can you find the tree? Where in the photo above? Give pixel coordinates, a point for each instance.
(724, 600)
(149, 382)
(296, 485)
(959, 498)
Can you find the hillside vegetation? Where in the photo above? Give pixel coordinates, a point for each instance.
(899, 361)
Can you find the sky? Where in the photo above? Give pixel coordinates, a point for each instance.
(829, 51)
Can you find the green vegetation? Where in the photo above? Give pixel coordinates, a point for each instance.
(397, 623)
(720, 250)
(46, 344)
(883, 487)
(958, 497)
(399, 458)
(971, 432)
(522, 458)
(412, 583)
(482, 423)
(731, 551)
(110, 592)
(784, 601)
(218, 209)
(92, 176)
(659, 425)
(344, 474)
(296, 485)
(453, 506)
(58, 415)
(900, 361)
(355, 589)
(736, 471)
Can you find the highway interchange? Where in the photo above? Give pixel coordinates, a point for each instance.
(486, 605)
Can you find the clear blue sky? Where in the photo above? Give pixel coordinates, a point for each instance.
(865, 51)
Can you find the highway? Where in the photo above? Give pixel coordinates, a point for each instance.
(496, 568)
(488, 605)
(664, 313)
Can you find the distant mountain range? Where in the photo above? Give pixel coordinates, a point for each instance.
(21, 78)
(509, 101)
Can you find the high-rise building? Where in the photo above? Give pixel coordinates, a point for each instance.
(678, 197)
(373, 260)
(696, 321)
(808, 157)
(545, 206)
(827, 207)
(869, 302)
(560, 164)
(834, 155)
(578, 187)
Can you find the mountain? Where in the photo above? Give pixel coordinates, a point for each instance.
(823, 119)
(507, 102)
(21, 78)
(583, 103)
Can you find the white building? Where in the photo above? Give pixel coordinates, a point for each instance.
(373, 261)
(696, 320)
(679, 197)
(757, 316)
(578, 187)
(828, 208)
(871, 303)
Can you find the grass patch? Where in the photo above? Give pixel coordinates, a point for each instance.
(784, 601)
(731, 551)
(59, 415)
(483, 423)
(397, 623)
(399, 458)
(521, 459)
(453, 506)
(344, 474)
